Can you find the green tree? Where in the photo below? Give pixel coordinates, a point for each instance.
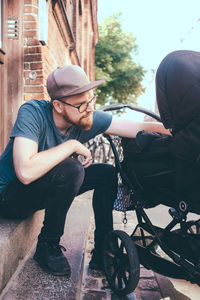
(114, 59)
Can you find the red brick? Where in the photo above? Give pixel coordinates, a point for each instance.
(32, 42)
(36, 81)
(27, 97)
(37, 96)
(39, 73)
(30, 9)
(33, 89)
(32, 57)
(34, 96)
(30, 25)
(30, 18)
(26, 66)
(35, 66)
(30, 33)
(26, 74)
(34, 2)
(29, 50)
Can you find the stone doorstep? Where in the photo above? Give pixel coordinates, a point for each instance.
(16, 239)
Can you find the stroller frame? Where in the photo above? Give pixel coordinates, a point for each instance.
(122, 254)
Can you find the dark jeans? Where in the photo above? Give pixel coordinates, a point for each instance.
(55, 192)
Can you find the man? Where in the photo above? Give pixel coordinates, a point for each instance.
(39, 167)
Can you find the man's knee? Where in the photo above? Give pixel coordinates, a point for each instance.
(68, 171)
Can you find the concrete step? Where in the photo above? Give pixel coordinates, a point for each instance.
(16, 239)
(29, 282)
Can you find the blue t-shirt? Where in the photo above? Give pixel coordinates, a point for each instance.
(35, 121)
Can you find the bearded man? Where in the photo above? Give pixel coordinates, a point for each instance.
(39, 168)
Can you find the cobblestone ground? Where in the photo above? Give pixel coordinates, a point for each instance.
(94, 284)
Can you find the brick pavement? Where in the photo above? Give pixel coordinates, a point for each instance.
(151, 286)
(94, 284)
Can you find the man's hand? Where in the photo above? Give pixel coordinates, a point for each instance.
(84, 155)
(86, 162)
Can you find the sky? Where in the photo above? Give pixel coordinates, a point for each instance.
(159, 26)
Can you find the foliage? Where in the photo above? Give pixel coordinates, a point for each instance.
(114, 63)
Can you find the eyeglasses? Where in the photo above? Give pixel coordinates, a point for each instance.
(83, 106)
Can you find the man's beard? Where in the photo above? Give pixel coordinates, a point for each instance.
(84, 123)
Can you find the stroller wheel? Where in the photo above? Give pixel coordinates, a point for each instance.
(121, 262)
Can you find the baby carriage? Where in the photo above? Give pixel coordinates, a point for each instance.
(151, 172)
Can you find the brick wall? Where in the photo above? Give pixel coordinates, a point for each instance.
(33, 63)
(56, 52)
(67, 43)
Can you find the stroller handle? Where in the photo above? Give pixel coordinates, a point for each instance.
(148, 112)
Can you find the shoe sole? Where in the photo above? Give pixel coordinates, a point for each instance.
(47, 270)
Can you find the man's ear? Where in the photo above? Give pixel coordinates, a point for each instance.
(57, 105)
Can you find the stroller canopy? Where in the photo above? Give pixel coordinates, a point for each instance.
(178, 99)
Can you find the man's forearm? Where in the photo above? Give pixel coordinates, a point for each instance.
(130, 129)
(36, 165)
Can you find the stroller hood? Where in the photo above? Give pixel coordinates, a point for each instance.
(178, 88)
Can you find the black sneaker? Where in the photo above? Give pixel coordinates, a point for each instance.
(51, 259)
(96, 262)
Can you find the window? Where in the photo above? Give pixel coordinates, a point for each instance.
(43, 21)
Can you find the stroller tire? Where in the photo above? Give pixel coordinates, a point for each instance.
(121, 262)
